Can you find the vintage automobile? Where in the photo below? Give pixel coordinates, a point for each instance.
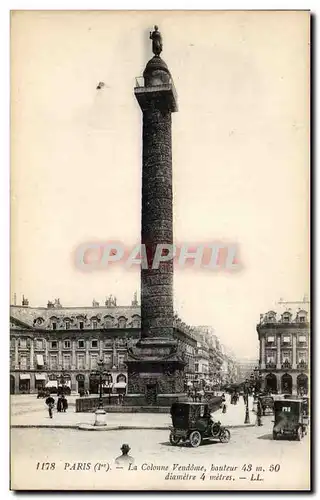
(192, 422)
(267, 404)
(290, 418)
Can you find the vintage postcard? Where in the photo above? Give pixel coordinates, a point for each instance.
(160, 313)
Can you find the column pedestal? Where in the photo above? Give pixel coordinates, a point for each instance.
(155, 373)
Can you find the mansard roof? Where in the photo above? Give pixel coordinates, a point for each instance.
(41, 317)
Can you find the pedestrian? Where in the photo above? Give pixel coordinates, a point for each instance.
(50, 404)
(64, 403)
(59, 404)
(125, 458)
(224, 408)
(259, 413)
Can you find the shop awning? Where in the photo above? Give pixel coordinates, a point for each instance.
(52, 383)
(40, 360)
(67, 383)
(24, 376)
(120, 385)
(40, 376)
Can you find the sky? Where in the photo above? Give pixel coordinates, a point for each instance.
(240, 156)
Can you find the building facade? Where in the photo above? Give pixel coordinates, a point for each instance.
(48, 344)
(284, 337)
(247, 367)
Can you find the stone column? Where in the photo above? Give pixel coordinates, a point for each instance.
(294, 351)
(279, 352)
(16, 381)
(263, 353)
(31, 356)
(156, 223)
(16, 355)
(87, 361)
(32, 383)
(114, 354)
(73, 382)
(73, 359)
(59, 354)
(294, 383)
(46, 361)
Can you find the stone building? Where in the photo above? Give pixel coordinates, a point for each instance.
(284, 337)
(247, 367)
(54, 342)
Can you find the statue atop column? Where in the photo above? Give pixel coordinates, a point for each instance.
(156, 38)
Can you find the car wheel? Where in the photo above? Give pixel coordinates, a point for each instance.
(195, 439)
(174, 440)
(299, 434)
(275, 435)
(225, 436)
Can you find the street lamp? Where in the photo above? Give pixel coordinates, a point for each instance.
(101, 375)
(246, 392)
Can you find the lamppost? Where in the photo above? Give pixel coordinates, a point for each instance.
(246, 392)
(62, 381)
(101, 376)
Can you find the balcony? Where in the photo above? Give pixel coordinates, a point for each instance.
(302, 365)
(271, 366)
(286, 365)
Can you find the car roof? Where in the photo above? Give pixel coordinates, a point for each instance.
(188, 403)
(288, 401)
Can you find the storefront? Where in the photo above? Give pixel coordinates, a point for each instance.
(80, 382)
(40, 381)
(24, 383)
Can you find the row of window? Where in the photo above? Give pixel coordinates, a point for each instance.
(286, 339)
(286, 357)
(122, 323)
(39, 344)
(66, 361)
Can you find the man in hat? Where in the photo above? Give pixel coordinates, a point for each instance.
(124, 458)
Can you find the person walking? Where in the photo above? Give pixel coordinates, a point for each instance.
(50, 404)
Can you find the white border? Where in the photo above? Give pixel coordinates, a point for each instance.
(5, 7)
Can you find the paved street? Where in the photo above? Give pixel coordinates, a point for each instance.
(69, 449)
(29, 411)
(67, 446)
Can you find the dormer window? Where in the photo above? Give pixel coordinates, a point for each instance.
(286, 317)
(271, 317)
(67, 325)
(302, 319)
(94, 324)
(54, 325)
(81, 325)
(122, 323)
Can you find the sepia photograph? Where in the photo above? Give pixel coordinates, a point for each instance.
(160, 250)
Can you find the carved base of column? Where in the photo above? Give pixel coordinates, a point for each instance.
(155, 373)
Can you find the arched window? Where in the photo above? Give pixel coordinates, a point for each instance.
(121, 378)
(302, 316)
(122, 322)
(271, 317)
(108, 321)
(286, 317)
(136, 321)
